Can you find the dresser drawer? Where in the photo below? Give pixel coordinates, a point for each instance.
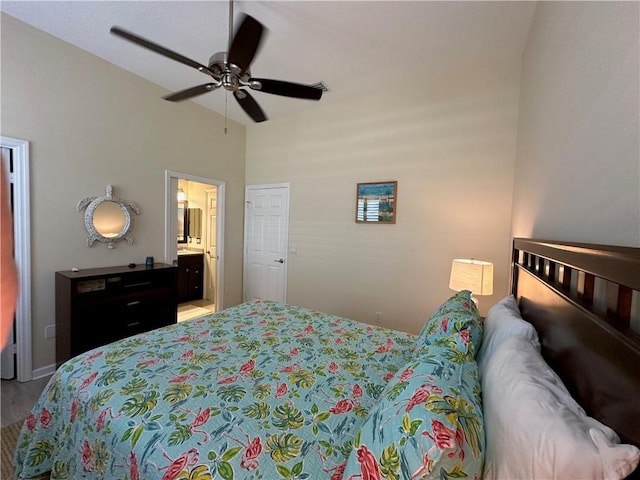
(105, 287)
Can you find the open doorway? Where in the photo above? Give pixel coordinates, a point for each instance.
(194, 228)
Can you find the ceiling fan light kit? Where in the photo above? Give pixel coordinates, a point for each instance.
(231, 70)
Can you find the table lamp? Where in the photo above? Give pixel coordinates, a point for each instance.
(473, 275)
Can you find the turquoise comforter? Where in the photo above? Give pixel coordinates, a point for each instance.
(258, 391)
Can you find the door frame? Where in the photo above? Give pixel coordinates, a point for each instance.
(22, 253)
(208, 193)
(171, 224)
(245, 251)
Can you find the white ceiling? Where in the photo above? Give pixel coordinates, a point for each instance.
(353, 47)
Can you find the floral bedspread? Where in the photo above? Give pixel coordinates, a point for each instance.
(258, 391)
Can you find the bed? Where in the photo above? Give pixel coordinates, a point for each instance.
(271, 391)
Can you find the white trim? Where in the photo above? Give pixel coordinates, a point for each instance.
(220, 202)
(268, 185)
(171, 224)
(170, 218)
(45, 371)
(22, 249)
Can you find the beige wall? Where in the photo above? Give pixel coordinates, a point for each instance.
(90, 124)
(578, 161)
(449, 143)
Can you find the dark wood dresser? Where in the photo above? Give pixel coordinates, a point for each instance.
(101, 305)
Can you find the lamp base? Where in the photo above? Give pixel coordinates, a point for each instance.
(475, 300)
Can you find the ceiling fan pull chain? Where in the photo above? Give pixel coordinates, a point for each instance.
(226, 96)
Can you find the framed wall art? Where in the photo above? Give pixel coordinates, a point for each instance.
(376, 202)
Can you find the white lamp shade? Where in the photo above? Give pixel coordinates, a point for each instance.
(473, 275)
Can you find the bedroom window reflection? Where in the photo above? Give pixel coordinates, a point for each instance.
(368, 211)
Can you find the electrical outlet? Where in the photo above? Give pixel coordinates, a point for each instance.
(378, 318)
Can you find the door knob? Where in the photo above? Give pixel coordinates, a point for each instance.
(280, 261)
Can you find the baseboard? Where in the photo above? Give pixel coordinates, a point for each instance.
(46, 371)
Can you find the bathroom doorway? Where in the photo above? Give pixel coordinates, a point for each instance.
(203, 237)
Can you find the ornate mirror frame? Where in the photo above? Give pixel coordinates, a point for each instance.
(91, 203)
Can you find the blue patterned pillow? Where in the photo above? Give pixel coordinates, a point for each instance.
(428, 421)
(457, 321)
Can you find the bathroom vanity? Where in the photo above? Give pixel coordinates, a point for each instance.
(190, 275)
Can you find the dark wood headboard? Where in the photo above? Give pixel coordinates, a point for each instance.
(584, 301)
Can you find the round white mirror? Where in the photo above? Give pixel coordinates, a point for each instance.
(108, 218)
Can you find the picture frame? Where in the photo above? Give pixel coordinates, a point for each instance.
(376, 202)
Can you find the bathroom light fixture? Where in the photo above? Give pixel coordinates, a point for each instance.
(181, 195)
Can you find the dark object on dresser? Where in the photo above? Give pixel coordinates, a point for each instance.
(190, 267)
(101, 305)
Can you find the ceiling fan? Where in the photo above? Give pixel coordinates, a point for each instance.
(231, 69)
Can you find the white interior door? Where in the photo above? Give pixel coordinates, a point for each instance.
(266, 242)
(211, 254)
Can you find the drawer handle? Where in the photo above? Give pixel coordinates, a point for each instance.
(131, 304)
(141, 284)
(133, 324)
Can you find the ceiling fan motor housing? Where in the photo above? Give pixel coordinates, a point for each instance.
(229, 74)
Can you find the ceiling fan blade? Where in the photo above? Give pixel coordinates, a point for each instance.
(191, 92)
(287, 89)
(245, 43)
(249, 105)
(132, 37)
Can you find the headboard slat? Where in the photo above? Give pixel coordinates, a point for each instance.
(624, 305)
(566, 278)
(589, 286)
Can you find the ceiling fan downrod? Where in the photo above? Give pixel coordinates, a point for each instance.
(230, 25)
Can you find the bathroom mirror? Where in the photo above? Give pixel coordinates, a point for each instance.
(108, 218)
(182, 222)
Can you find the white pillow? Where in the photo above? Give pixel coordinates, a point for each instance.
(534, 428)
(503, 321)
